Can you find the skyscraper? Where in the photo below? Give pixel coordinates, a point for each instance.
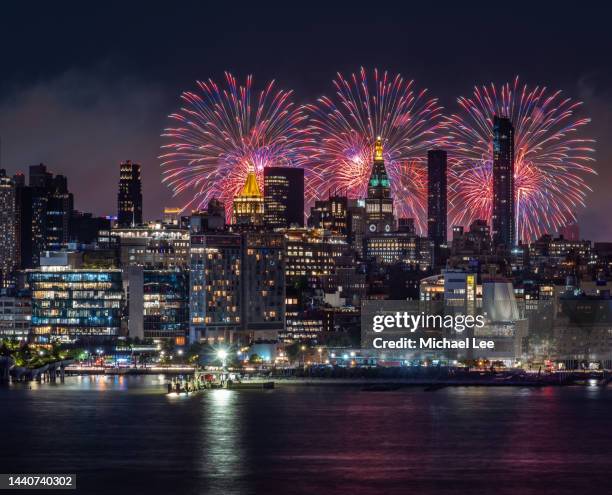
(7, 229)
(436, 197)
(379, 204)
(129, 198)
(249, 205)
(215, 293)
(503, 220)
(284, 196)
(60, 206)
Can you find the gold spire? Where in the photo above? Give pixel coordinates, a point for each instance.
(250, 189)
(378, 149)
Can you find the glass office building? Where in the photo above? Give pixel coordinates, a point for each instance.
(75, 304)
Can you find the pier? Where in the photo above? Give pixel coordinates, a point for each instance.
(213, 380)
(49, 372)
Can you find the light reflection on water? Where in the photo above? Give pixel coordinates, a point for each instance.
(221, 432)
(122, 434)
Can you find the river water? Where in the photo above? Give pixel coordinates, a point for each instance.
(124, 435)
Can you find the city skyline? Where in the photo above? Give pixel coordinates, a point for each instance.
(83, 109)
(241, 243)
(440, 142)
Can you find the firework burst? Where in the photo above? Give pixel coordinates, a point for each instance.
(348, 123)
(221, 133)
(551, 160)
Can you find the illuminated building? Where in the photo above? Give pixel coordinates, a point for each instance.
(43, 211)
(432, 288)
(8, 220)
(503, 219)
(158, 303)
(249, 205)
(263, 285)
(215, 293)
(31, 224)
(312, 254)
(302, 325)
(59, 213)
(312, 257)
(284, 197)
(559, 257)
(436, 200)
(171, 216)
(379, 204)
(237, 291)
(388, 248)
(330, 214)
(151, 245)
(460, 288)
(70, 304)
(15, 316)
(129, 198)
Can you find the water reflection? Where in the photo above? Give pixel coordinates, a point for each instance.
(221, 431)
(123, 435)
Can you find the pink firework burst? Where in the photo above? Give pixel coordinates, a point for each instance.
(222, 132)
(348, 123)
(551, 158)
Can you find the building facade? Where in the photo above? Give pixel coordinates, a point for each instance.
(215, 295)
(153, 245)
(8, 221)
(436, 197)
(129, 198)
(158, 303)
(15, 317)
(248, 206)
(284, 197)
(503, 222)
(70, 304)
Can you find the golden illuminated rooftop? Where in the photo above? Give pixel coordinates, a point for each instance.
(250, 189)
(378, 149)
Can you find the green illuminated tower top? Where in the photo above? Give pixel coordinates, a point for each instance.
(379, 204)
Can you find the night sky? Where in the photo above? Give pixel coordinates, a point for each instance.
(89, 84)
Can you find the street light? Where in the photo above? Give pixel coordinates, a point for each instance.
(222, 355)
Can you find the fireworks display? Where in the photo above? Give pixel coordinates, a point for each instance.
(551, 159)
(220, 133)
(348, 123)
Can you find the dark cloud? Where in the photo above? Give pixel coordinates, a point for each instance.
(83, 124)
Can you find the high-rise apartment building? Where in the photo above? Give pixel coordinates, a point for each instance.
(129, 199)
(8, 220)
(504, 215)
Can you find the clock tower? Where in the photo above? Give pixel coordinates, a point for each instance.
(379, 204)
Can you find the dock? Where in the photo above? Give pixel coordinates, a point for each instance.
(209, 380)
